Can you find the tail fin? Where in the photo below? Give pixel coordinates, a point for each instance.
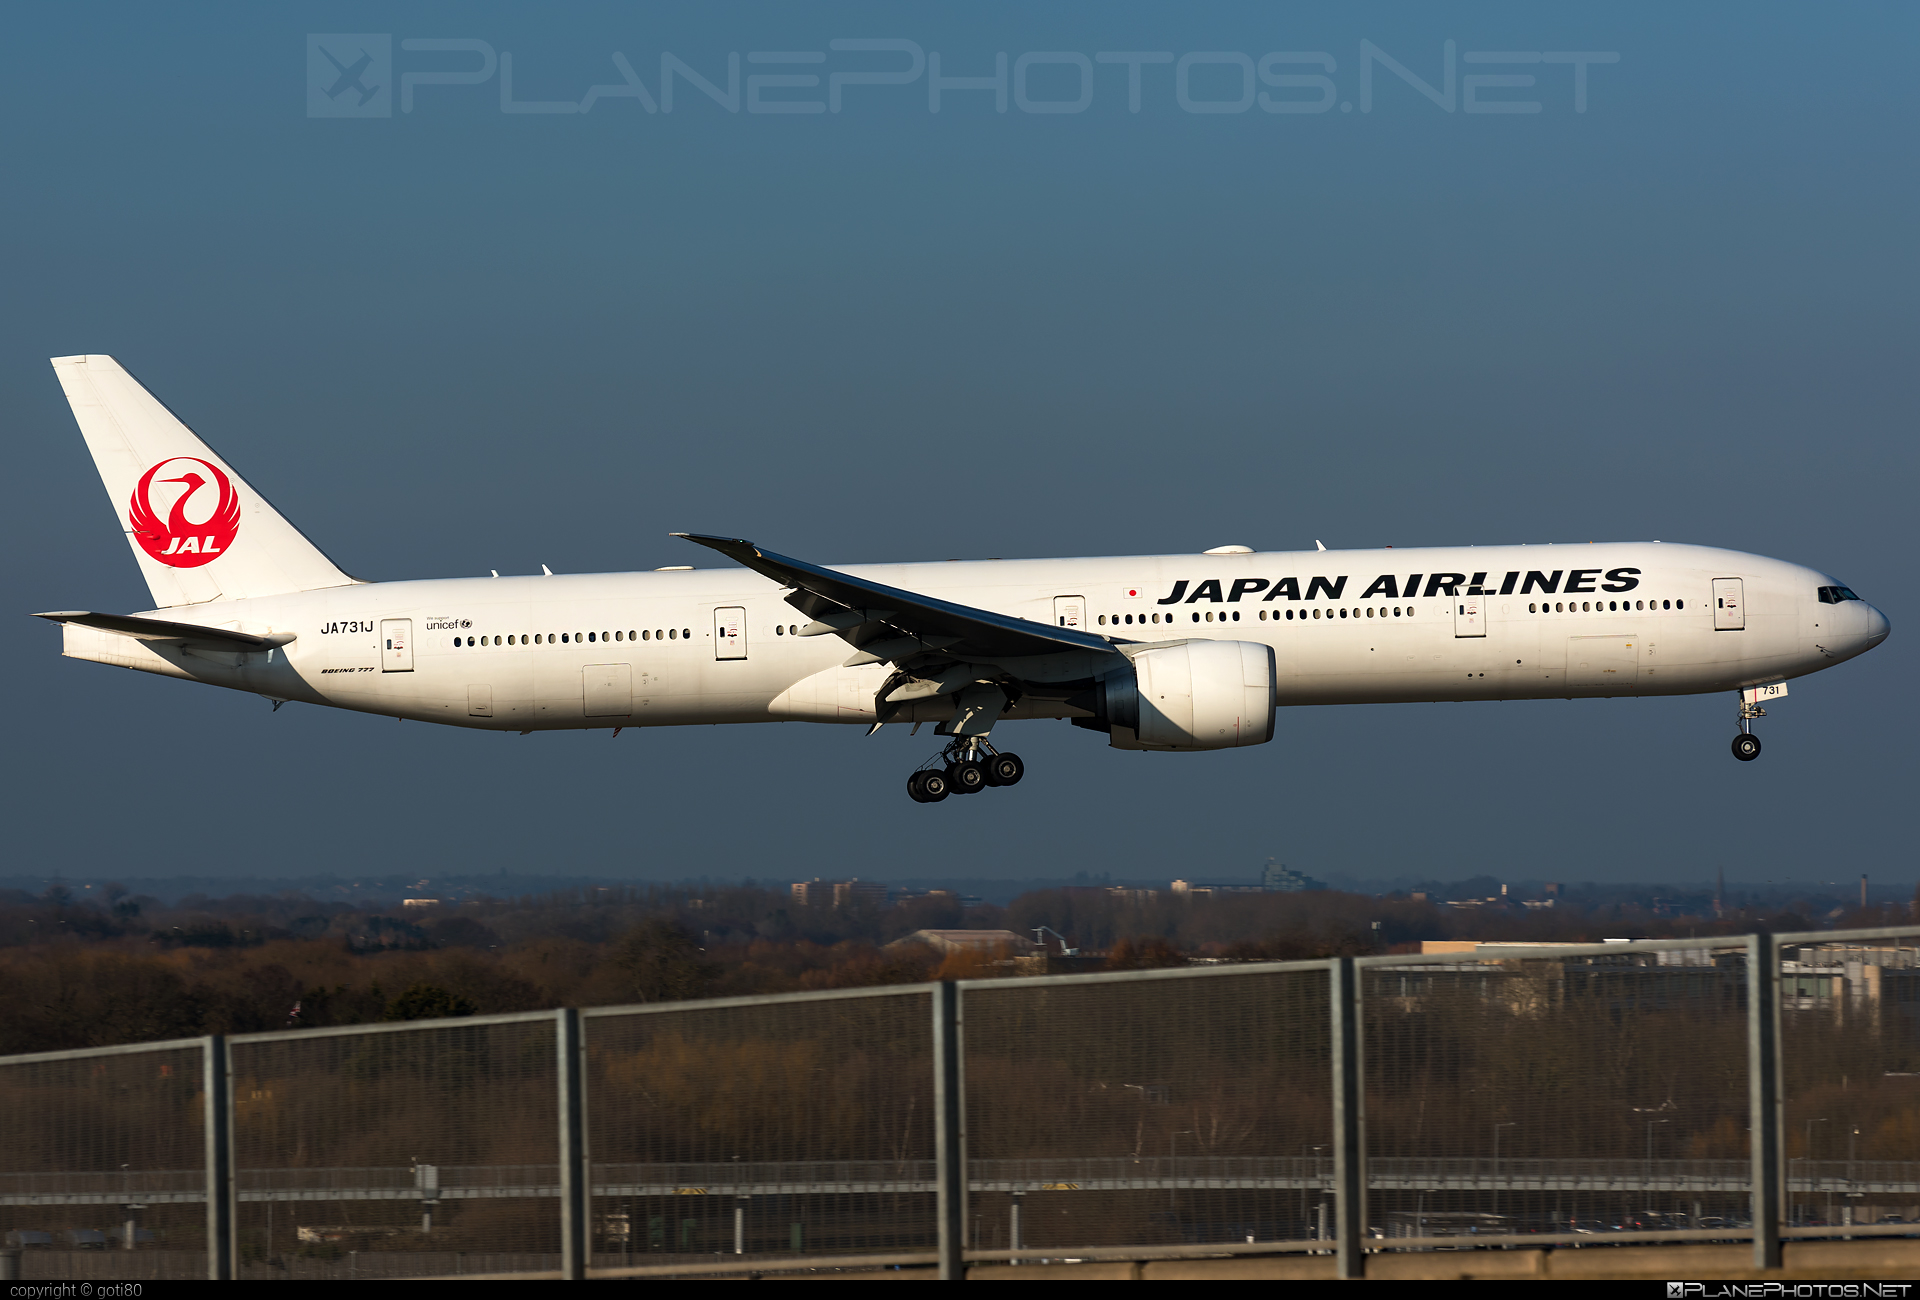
(198, 530)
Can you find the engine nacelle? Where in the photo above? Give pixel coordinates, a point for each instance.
(1195, 695)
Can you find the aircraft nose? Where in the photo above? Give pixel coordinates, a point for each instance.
(1877, 627)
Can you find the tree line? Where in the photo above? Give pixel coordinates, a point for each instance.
(88, 971)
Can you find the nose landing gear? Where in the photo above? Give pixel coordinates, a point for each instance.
(1746, 745)
(967, 765)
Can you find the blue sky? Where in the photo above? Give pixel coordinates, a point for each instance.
(457, 339)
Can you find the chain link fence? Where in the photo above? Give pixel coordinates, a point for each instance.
(1735, 1089)
(1510, 1093)
(1850, 1035)
(1150, 1110)
(406, 1151)
(105, 1162)
(756, 1128)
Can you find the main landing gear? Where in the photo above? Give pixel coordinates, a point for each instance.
(967, 765)
(1746, 745)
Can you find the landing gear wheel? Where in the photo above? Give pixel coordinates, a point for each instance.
(1005, 769)
(928, 786)
(967, 777)
(1746, 747)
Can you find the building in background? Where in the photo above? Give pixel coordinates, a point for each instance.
(1276, 878)
(839, 893)
(1281, 878)
(1194, 889)
(947, 942)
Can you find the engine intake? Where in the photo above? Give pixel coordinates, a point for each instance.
(1193, 695)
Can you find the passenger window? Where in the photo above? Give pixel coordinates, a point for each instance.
(1289, 616)
(1666, 604)
(1679, 604)
(1236, 616)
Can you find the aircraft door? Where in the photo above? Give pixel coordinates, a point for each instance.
(1469, 616)
(1729, 606)
(1070, 611)
(396, 645)
(730, 633)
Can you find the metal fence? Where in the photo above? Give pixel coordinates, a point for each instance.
(1742, 1088)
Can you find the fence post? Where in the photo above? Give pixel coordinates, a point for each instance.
(949, 1131)
(574, 1239)
(218, 1090)
(1763, 1095)
(1349, 1123)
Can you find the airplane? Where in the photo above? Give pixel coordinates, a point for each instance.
(1166, 653)
(350, 76)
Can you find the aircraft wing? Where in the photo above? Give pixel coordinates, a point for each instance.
(888, 624)
(155, 629)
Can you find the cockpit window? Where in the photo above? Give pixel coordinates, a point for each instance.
(1834, 595)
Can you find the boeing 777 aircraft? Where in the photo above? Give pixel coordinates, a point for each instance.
(1159, 652)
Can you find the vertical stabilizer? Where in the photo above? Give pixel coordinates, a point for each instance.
(198, 530)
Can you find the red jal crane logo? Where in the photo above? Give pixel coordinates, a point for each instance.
(178, 540)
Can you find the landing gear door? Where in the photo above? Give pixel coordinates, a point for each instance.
(396, 645)
(730, 633)
(1469, 616)
(1729, 605)
(1070, 611)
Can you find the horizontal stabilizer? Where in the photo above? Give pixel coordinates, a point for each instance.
(155, 629)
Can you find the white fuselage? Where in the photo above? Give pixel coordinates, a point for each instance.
(640, 649)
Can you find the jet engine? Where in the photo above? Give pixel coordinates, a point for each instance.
(1190, 695)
